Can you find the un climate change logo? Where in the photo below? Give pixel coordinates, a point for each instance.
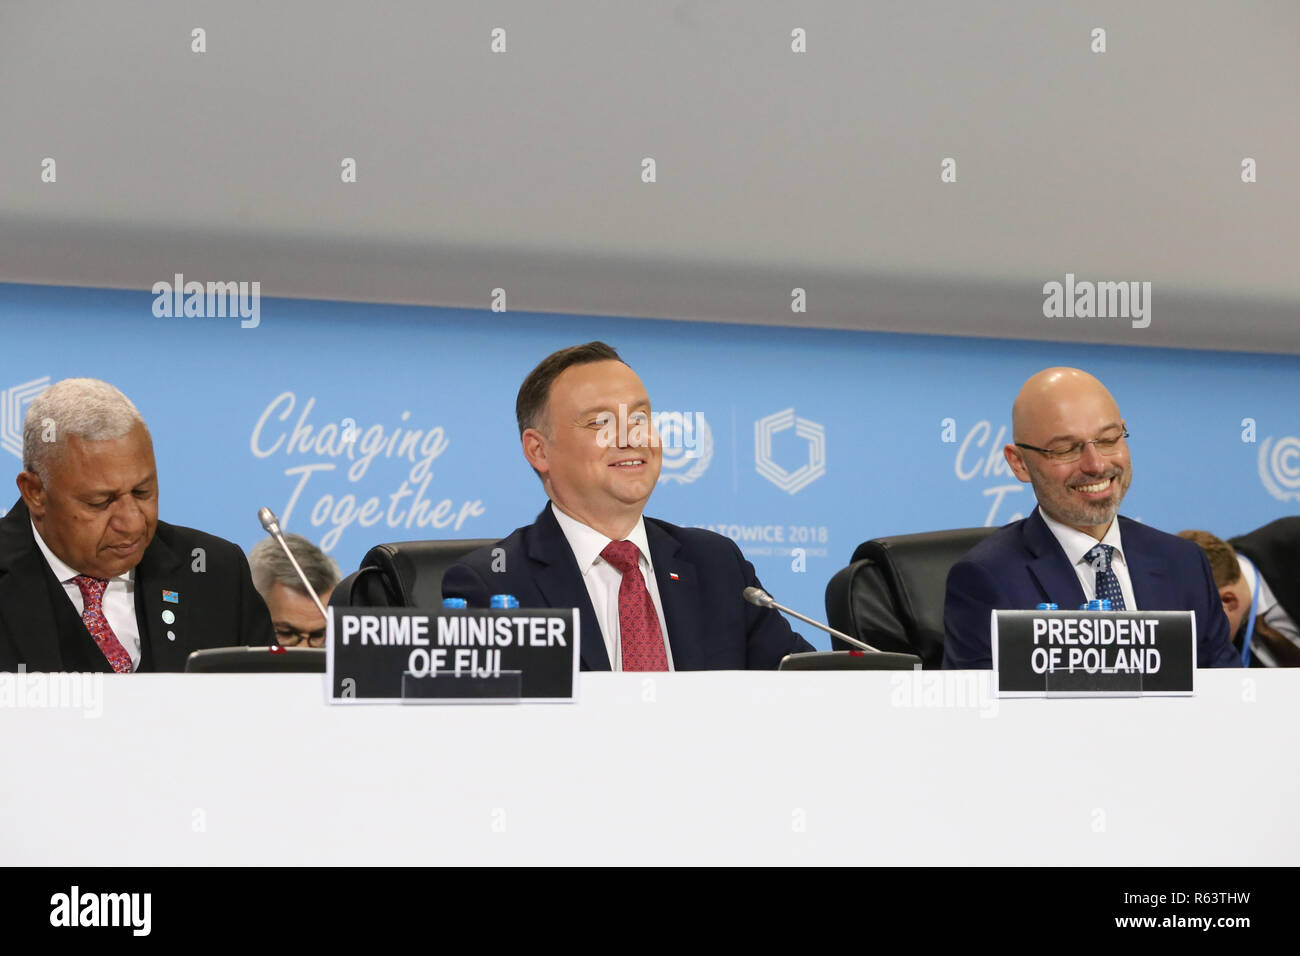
(1279, 469)
(687, 443)
(805, 474)
(13, 405)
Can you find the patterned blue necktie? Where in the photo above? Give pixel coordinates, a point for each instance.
(1108, 588)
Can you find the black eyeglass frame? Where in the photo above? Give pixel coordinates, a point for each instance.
(1063, 456)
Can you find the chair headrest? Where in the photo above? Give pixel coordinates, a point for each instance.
(412, 570)
(916, 567)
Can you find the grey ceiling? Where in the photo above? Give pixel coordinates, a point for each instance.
(522, 170)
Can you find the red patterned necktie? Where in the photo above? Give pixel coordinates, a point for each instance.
(641, 637)
(92, 594)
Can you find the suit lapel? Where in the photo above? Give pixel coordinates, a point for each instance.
(1049, 565)
(160, 569)
(680, 597)
(557, 576)
(1146, 569)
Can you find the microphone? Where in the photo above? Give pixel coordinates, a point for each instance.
(272, 525)
(761, 598)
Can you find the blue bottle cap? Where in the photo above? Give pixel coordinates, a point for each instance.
(452, 603)
(504, 601)
(1105, 604)
(1048, 607)
(1093, 606)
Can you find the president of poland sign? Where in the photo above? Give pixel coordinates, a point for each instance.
(1100, 653)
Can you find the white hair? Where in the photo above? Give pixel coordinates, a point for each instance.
(268, 564)
(86, 407)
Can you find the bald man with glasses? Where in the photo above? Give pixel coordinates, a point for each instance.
(1071, 444)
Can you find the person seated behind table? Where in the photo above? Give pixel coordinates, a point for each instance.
(652, 596)
(1071, 444)
(295, 618)
(1243, 582)
(90, 579)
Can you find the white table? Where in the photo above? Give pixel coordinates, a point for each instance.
(850, 768)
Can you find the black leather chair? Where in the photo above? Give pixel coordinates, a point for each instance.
(891, 594)
(403, 574)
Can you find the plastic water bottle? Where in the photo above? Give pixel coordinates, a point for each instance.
(504, 601)
(454, 604)
(1048, 607)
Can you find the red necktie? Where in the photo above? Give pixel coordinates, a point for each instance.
(638, 624)
(92, 594)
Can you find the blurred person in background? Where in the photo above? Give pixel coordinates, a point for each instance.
(296, 620)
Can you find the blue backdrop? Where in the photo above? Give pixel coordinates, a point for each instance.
(815, 440)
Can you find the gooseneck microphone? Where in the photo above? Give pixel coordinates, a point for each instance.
(761, 598)
(272, 525)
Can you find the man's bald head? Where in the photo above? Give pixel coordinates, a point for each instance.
(1056, 396)
(1068, 441)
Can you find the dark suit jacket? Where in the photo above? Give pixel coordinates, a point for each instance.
(1275, 550)
(217, 607)
(1022, 565)
(710, 625)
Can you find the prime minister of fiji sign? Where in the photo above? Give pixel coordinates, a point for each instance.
(408, 655)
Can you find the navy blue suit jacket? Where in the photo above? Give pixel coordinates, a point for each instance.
(710, 624)
(1022, 565)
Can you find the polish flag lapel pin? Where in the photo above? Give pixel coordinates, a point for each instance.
(674, 575)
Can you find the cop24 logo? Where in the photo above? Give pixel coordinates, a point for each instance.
(1279, 467)
(791, 481)
(13, 405)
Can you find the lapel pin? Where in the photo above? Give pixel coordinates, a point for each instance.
(673, 575)
(172, 597)
(168, 617)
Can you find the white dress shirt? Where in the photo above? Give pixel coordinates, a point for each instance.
(603, 580)
(1076, 544)
(1267, 610)
(118, 602)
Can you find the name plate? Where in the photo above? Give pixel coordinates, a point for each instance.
(406, 655)
(1094, 653)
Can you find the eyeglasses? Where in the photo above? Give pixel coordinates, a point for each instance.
(1068, 453)
(287, 636)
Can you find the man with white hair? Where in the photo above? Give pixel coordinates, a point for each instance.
(294, 615)
(90, 579)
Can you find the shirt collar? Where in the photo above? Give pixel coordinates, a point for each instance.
(587, 543)
(1076, 544)
(1266, 598)
(61, 569)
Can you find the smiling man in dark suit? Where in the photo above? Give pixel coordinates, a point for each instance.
(1071, 444)
(653, 596)
(90, 579)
